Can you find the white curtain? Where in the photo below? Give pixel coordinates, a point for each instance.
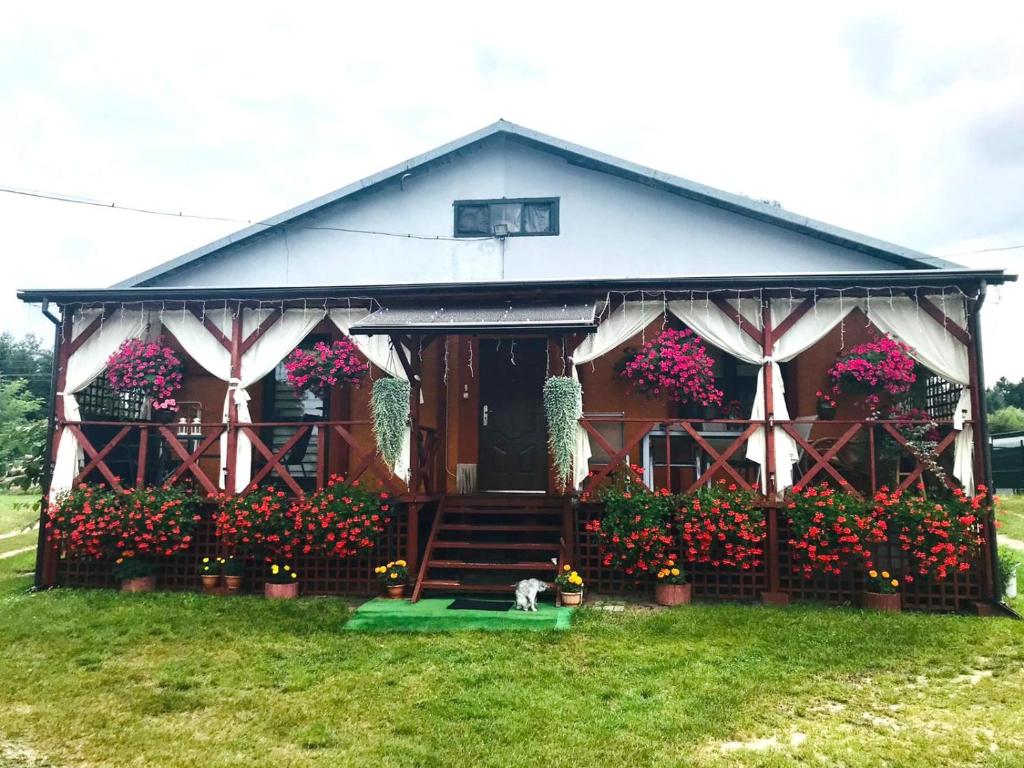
(379, 351)
(271, 348)
(939, 350)
(84, 366)
(625, 322)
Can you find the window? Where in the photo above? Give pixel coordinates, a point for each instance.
(521, 218)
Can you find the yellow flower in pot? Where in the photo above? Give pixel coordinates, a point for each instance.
(671, 587)
(570, 586)
(394, 576)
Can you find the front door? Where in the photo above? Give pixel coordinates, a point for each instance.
(513, 437)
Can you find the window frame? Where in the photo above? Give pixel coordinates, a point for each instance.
(554, 202)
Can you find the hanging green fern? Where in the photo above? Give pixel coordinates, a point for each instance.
(563, 406)
(389, 404)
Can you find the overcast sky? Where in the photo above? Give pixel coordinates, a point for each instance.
(906, 124)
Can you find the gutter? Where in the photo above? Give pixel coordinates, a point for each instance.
(51, 421)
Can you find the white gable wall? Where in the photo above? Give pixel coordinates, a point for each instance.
(609, 228)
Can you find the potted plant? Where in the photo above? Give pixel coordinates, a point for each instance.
(148, 369)
(563, 407)
(324, 367)
(232, 569)
(209, 572)
(826, 406)
(671, 587)
(136, 574)
(389, 407)
(882, 592)
(570, 586)
(675, 364)
(394, 576)
(282, 582)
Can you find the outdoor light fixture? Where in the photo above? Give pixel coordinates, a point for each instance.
(501, 230)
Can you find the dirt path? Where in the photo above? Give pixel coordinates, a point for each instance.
(23, 550)
(1006, 541)
(12, 534)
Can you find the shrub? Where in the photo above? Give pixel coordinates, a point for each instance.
(261, 523)
(722, 525)
(675, 364)
(634, 532)
(831, 530)
(344, 518)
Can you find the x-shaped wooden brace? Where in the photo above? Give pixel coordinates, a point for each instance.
(190, 461)
(97, 457)
(368, 460)
(823, 462)
(616, 457)
(921, 466)
(274, 459)
(720, 460)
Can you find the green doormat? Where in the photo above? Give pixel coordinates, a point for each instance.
(432, 615)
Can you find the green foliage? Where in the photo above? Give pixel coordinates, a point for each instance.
(563, 406)
(1004, 393)
(1008, 419)
(1007, 565)
(22, 434)
(133, 568)
(27, 359)
(389, 404)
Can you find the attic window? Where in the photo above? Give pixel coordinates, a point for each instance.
(523, 217)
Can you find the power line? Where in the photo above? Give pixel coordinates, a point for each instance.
(79, 200)
(987, 250)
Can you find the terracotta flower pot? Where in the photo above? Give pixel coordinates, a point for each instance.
(232, 583)
(672, 594)
(396, 591)
(572, 598)
(210, 580)
(876, 601)
(281, 591)
(139, 584)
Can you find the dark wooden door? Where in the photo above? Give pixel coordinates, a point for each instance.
(513, 436)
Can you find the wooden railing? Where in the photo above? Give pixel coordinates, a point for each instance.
(862, 455)
(128, 454)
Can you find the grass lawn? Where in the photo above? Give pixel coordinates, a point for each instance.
(101, 679)
(1011, 517)
(18, 511)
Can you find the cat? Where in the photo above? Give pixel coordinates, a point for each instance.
(526, 593)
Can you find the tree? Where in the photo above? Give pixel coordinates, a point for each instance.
(22, 428)
(1004, 393)
(28, 359)
(1008, 419)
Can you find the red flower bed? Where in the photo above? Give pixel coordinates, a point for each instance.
(148, 523)
(831, 531)
(149, 369)
(263, 523)
(674, 364)
(940, 537)
(635, 529)
(722, 525)
(325, 366)
(344, 518)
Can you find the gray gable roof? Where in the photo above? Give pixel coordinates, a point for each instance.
(584, 157)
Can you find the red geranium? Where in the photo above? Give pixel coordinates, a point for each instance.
(344, 518)
(675, 364)
(262, 522)
(722, 525)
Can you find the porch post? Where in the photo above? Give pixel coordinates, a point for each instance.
(773, 595)
(47, 555)
(231, 463)
(982, 457)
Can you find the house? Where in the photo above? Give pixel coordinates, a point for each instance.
(475, 272)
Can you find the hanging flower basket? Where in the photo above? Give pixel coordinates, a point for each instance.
(325, 366)
(389, 406)
(874, 368)
(148, 369)
(563, 407)
(675, 364)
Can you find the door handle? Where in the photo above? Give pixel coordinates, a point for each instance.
(486, 414)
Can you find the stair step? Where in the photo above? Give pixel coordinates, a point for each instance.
(539, 565)
(487, 527)
(532, 545)
(449, 584)
(532, 502)
(502, 511)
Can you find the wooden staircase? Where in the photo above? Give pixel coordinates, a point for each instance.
(487, 543)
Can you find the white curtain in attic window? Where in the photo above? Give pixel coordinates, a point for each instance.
(509, 214)
(84, 367)
(378, 350)
(537, 218)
